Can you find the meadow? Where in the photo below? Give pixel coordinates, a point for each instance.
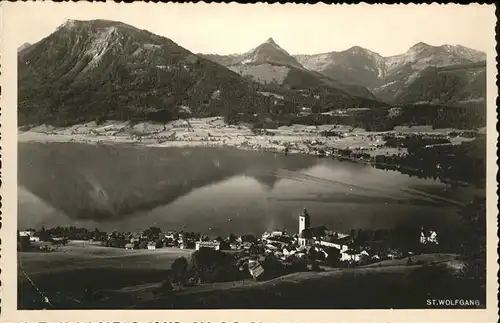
(72, 272)
(86, 275)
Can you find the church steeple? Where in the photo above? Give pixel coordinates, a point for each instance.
(304, 221)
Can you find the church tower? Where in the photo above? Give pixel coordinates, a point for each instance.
(304, 221)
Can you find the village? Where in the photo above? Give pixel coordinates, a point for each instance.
(321, 140)
(311, 248)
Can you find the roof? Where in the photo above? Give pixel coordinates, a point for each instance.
(208, 243)
(285, 239)
(314, 232)
(341, 241)
(253, 264)
(256, 269)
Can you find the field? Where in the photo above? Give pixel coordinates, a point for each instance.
(82, 275)
(65, 275)
(395, 285)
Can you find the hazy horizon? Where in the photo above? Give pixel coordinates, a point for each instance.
(299, 29)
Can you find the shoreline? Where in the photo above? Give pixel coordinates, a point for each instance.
(213, 132)
(343, 143)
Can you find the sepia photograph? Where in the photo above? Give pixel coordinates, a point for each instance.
(230, 156)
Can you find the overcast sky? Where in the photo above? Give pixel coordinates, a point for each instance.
(299, 29)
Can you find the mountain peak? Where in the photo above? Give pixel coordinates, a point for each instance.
(420, 45)
(270, 40)
(23, 46)
(94, 24)
(271, 53)
(356, 50)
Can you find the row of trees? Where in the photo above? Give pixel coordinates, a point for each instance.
(207, 265)
(445, 162)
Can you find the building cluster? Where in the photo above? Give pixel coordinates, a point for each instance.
(311, 246)
(30, 235)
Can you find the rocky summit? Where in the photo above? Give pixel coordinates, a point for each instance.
(388, 77)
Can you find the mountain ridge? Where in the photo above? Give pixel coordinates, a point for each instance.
(385, 76)
(268, 63)
(101, 69)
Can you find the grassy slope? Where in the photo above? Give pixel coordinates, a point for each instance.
(123, 282)
(64, 275)
(373, 287)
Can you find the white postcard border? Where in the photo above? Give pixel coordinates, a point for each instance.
(9, 312)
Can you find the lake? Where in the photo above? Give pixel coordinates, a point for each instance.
(216, 191)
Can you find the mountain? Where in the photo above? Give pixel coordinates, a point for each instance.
(89, 70)
(451, 85)
(355, 65)
(268, 63)
(23, 46)
(386, 77)
(266, 53)
(100, 69)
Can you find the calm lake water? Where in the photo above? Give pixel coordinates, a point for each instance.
(219, 190)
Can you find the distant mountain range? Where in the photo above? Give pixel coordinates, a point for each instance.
(268, 63)
(94, 70)
(386, 77)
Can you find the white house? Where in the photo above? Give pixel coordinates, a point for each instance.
(34, 239)
(273, 235)
(341, 246)
(288, 253)
(28, 233)
(271, 247)
(170, 235)
(256, 270)
(428, 237)
(354, 257)
(207, 244)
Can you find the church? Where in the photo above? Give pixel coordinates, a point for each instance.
(309, 235)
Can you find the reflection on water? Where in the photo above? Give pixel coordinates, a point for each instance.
(217, 190)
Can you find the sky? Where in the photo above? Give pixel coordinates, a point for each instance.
(299, 29)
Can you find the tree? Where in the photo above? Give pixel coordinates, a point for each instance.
(474, 243)
(152, 233)
(159, 243)
(23, 242)
(44, 236)
(179, 270)
(232, 238)
(211, 265)
(143, 244)
(313, 255)
(248, 238)
(333, 257)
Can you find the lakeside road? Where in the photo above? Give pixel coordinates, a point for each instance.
(213, 132)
